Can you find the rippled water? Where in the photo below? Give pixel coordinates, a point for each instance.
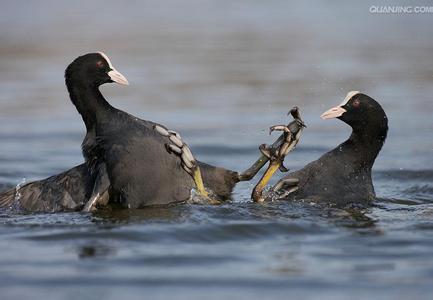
(220, 72)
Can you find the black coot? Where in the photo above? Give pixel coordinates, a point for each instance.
(343, 175)
(141, 171)
(129, 161)
(137, 162)
(72, 189)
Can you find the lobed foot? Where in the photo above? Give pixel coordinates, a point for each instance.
(188, 162)
(285, 187)
(290, 138)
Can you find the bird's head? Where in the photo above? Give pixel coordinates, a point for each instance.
(94, 69)
(364, 114)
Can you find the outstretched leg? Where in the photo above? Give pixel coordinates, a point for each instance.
(289, 140)
(249, 173)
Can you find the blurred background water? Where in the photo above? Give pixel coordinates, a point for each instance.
(220, 73)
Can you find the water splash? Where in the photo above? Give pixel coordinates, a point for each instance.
(17, 191)
(197, 198)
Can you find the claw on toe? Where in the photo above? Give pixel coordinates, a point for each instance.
(297, 116)
(283, 169)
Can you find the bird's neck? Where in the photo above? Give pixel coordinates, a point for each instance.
(364, 146)
(89, 102)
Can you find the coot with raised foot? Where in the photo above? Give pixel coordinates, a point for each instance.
(148, 164)
(343, 175)
(141, 158)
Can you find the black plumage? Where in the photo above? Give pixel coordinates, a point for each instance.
(124, 156)
(343, 175)
(140, 170)
(67, 191)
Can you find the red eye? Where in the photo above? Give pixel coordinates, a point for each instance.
(356, 103)
(100, 64)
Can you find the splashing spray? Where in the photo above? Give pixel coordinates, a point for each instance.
(18, 193)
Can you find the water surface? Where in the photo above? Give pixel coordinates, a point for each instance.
(220, 73)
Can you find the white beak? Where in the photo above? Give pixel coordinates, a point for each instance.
(334, 112)
(117, 77)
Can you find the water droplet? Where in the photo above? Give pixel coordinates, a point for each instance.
(16, 203)
(17, 189)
